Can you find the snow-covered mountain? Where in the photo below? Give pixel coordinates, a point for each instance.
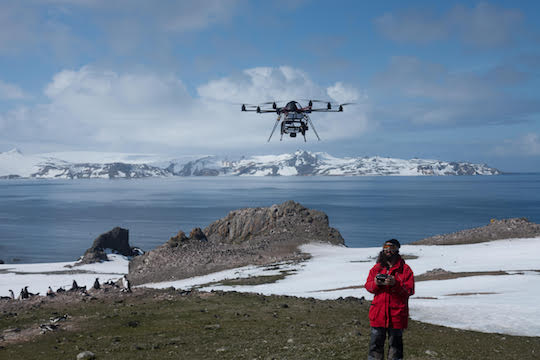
(77, 165)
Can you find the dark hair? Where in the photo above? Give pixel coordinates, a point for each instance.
(382, 259)
(393, 241)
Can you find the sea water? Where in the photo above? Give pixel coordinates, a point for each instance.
(57, 220)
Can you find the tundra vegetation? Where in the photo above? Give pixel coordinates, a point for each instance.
(174, 324)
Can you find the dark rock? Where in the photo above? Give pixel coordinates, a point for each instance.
(1, 261)
(255, 236)
(181, 238)
(178, 239)
(116, 240)
(495, 230)
(197, 234)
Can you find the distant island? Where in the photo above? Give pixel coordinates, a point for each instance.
(84, 165)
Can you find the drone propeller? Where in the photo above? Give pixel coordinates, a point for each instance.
(319, 101)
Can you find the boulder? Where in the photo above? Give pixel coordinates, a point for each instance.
(247, 236)
(116, 240)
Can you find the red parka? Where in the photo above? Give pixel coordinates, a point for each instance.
(390, 306)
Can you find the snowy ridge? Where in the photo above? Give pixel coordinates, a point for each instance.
(77, 165)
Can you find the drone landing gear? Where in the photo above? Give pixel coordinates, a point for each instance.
(274, 129)
(313, 127)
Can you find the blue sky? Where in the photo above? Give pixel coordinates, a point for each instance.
(446, 80)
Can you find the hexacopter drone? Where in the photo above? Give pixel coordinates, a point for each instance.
(295, 117)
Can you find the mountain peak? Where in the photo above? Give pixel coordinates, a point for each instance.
(299, 163)
(13, 151)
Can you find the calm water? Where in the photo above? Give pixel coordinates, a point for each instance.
(56, 220)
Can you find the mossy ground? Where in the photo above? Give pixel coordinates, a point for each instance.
(168, 324)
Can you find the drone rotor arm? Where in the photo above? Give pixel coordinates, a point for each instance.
(324, 110)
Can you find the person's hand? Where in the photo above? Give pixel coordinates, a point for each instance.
(390, 280)
(379, 282)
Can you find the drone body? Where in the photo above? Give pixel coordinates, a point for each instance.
(295, 117)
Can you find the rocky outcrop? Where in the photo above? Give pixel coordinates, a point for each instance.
(275, 221)
(246, 236)
(495, 230)
(116, 240)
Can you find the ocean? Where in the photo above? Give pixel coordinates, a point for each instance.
(57, 220)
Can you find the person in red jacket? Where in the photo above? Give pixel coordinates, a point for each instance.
(392, 282)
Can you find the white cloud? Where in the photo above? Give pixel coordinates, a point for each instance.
(96, 108)
(343, 93)
(262, 84)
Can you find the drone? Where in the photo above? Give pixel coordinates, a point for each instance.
(295, 117)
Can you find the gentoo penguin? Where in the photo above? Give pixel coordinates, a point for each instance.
(10, 297)
(11, 294)
(22, 295)
(50, 292)
(96, 284)
(74, 286)
(126, 286)
(29, 294)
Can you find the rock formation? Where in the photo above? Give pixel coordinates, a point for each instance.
(495, 230)
(243, 237)
(116, 240)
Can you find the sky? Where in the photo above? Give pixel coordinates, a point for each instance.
(452, 80)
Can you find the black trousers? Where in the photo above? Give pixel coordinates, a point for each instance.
(376, 343)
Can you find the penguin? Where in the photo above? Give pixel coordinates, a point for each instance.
(22, 295)
(96, 284)
(11, 294)
(126, 286)
(5, 297)
(74, 286)
(29, 294)
(50, 292)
